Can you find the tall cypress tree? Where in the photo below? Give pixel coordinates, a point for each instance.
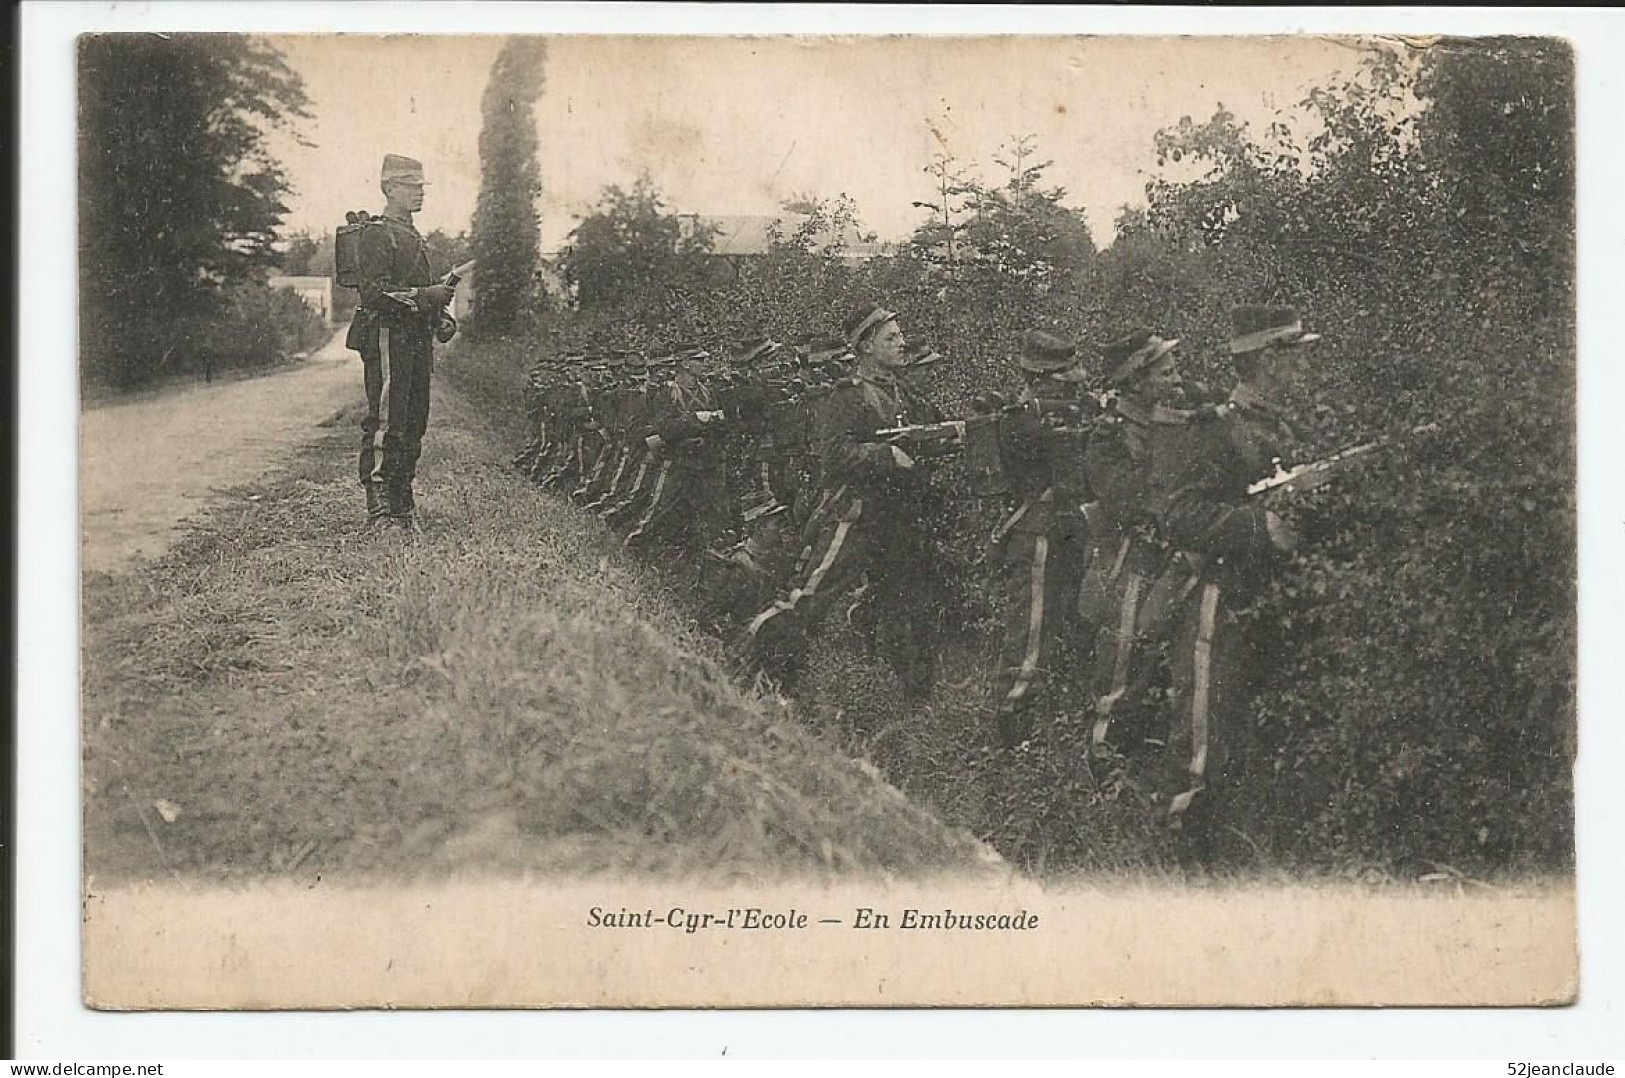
(178, 196)
(506, 226)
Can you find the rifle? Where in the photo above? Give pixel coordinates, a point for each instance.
(928, 438)
(953, 431)
(1314, 473)
(451, 280)
(981, 439)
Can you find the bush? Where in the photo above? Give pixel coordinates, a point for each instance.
(1419, 705)
(258, 327)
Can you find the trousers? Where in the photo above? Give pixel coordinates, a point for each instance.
(854, 545)
(396, 366)
(688, 501)
(1039, 574)
(1138, 587)
(1211, 673)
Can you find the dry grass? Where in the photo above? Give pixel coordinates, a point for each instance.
(502, 691)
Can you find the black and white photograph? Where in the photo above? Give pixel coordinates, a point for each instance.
(826, 520)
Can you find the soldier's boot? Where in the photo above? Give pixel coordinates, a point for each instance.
(402, 505)
(1195, 831)
(1014, 726)
(553, 470)
(377, 505)
(544, 466)
(1194, 847)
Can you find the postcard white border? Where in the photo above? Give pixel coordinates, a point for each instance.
(51, 1022)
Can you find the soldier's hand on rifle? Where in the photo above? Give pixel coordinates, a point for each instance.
(987, 403)
(1311, 480)
(900, 458)
(1282, 535)
(436, 295)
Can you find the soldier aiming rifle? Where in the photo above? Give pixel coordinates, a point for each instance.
(1041, 547)
(868, 524)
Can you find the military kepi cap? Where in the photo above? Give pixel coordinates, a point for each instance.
(398, 169)
(821, 350)
(1253, 328)
(750, 349)
(864, 321)
(922, 355)
(1045, 353)
(1129, 355)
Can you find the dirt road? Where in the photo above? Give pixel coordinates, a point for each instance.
(146, 465)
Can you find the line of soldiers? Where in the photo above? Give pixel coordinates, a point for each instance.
(1131, 531)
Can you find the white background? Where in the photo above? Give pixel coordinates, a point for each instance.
(51, 1022)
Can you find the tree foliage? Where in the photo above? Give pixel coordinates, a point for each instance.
(1422, 709)
(304, 255)
(1016, 230)
(179, 198)
(506, 224)
(1419, 705)
(631, 243)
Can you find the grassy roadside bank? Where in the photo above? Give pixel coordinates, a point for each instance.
(287, 694)
(938, 755)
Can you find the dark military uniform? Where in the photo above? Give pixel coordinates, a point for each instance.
(396, 342)
(602, 393)
(627, 503)
(628, 413)
(688, 499)
(607, 409)
(1042, 548)
(867, 522)
(565, 403)
(771, 458)
(1132, 455)
(1226, 554)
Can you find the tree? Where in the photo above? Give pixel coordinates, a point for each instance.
(1020, 231)
(630, 244)
(506, 225)
(1500, 125)
(1023, 228)
(802, 202)
(448, 250)
(302, 255)
(823, 227)
(936, 240)
(179, 199)
(1422, 218)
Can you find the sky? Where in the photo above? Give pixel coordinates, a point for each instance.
(734, 125)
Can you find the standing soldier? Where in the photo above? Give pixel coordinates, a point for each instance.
(1132, 454)
(775, 394)
(688, 501)
(1230, 544)
(867, 521)
(402, 310)
(1043, 546)
(628, 504)
(611, 408)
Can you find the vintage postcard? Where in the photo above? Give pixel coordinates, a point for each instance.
(792, 520)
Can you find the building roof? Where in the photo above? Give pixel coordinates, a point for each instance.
(749, 234)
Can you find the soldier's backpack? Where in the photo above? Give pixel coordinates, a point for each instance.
(347, 249)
